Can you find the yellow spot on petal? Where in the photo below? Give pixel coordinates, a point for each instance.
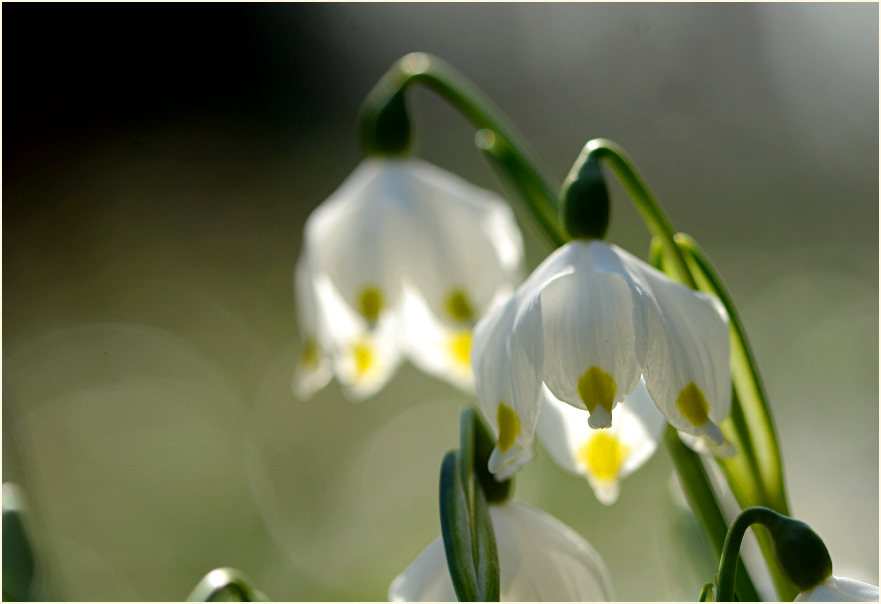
(603, 455)
(692, 404)
(460, 347)
(370, 303)
(597, 389)
(509, 426)
(458, 306)
(309, 356)
(364, 358)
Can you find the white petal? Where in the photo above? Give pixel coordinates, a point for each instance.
(588, 327)
(507, 358)
(435, 347)
(840, 589)
(541, 559)
(464, 240)
(358, 236)
(686, 348)
(565, 433)
(426, 579)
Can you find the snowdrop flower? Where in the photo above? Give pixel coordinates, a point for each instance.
(840, 589)
(540, 559)
(604, 457)
(588, 324)
(402, 259)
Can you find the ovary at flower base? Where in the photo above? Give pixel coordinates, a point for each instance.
(401, 261)
(589, 324)
(540, 559)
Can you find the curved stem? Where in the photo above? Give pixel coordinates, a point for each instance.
(515, 158)
(731, 551)
(652, 212)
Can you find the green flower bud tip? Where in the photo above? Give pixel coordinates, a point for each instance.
(800, 553)
(584, 200)
(387, 132)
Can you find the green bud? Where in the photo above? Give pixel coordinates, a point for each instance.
(584, 200)
(385, 129)
(800, 553)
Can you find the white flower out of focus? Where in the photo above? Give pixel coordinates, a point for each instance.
(589, 324)
(401, 260)
(540, 559)
(840, 589)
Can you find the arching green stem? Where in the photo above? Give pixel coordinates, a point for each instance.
(731, 552)
(801, 556)
(384, 128)
(614, 156)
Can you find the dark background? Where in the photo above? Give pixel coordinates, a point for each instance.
(159, 161)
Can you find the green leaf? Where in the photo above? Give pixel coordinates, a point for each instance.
(466, 527)
(456, 530)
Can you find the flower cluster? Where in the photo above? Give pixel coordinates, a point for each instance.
(596, 353)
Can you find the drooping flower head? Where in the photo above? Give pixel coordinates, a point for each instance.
(540, 559)
(403, 258)
(588, 324)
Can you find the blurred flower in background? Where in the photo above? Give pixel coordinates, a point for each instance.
(403, 256)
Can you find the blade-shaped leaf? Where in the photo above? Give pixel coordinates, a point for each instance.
(469, 540)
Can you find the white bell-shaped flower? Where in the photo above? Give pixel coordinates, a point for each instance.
(604, 457)
(589, 323)
(840, 589)
(403, 259)
(540, 559)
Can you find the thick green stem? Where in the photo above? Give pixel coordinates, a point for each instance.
(514, 158)
(702, 501)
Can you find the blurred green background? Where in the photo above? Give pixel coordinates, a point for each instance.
(156, 178)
